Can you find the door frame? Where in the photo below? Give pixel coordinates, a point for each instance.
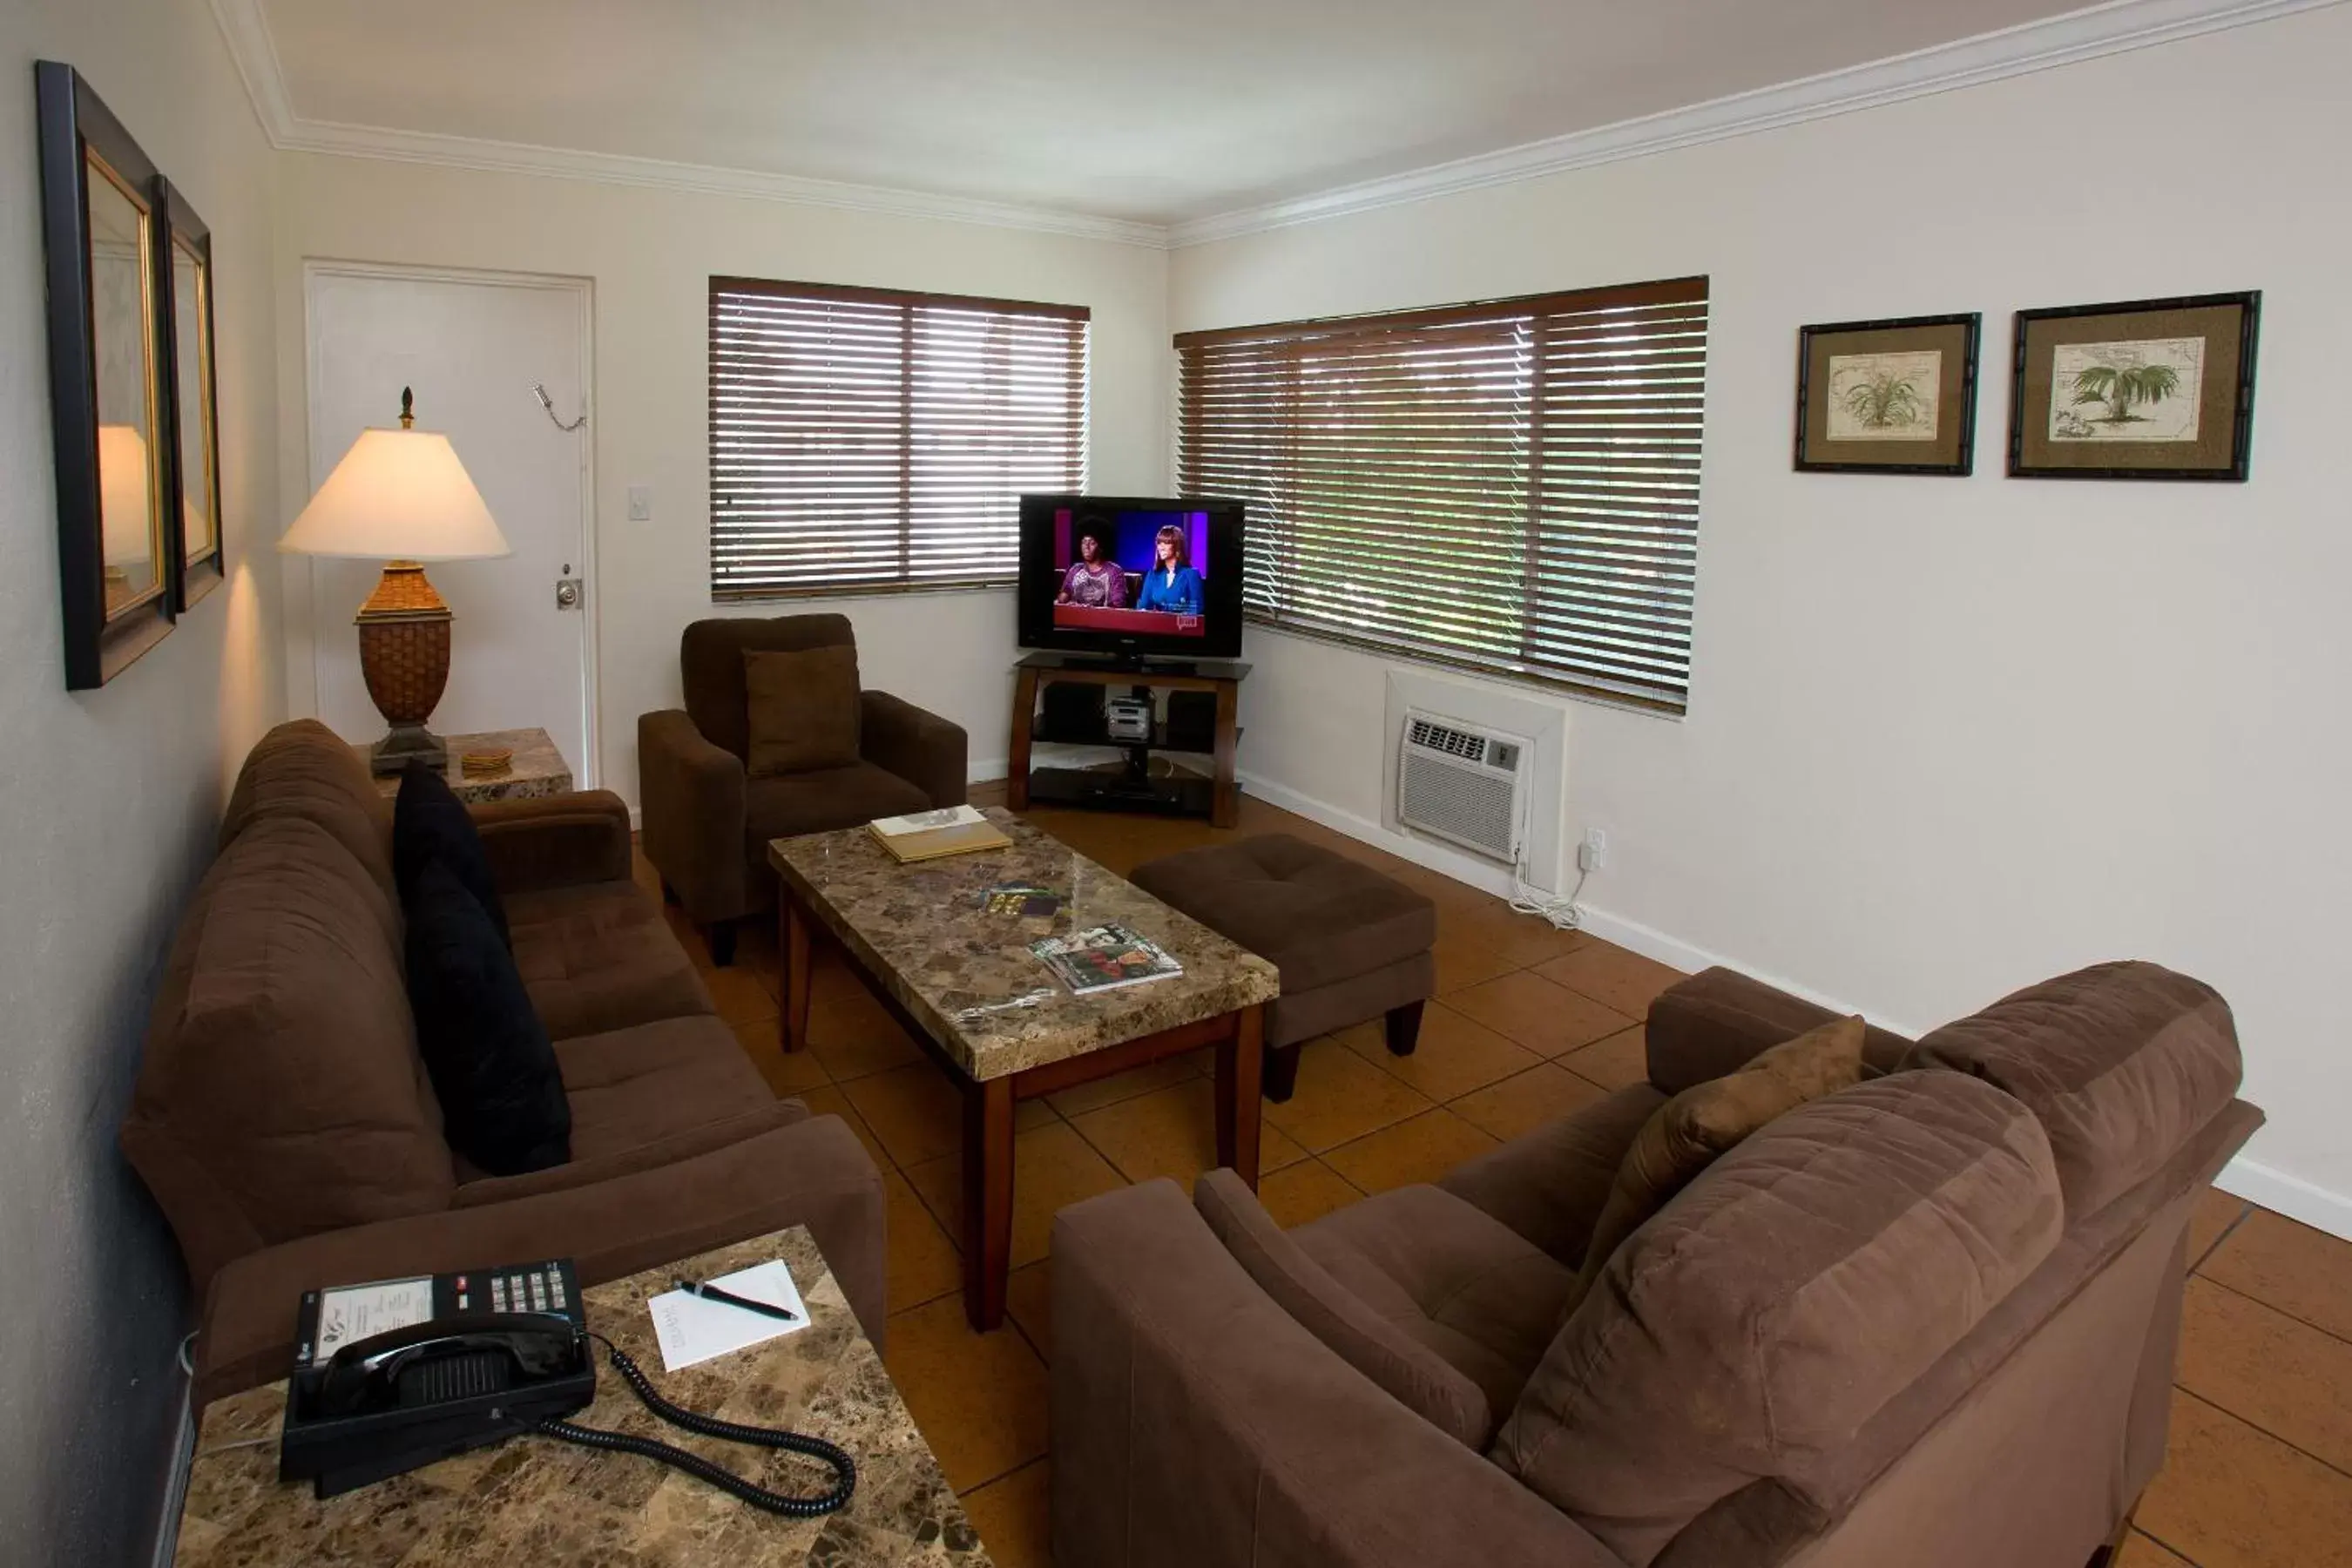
(586, 770)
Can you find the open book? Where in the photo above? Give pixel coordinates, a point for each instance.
(927, 835)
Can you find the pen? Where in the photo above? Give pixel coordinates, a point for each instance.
(713, 1293)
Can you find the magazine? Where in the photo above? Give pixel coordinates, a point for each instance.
(1103, 959)
(926, 821)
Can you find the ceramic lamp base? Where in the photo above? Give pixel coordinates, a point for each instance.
(408, 743)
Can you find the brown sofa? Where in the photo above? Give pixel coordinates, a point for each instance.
(1928, 1320)
(284, 1120)
(707, 823)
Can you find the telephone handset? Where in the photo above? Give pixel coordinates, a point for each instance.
(395, 1375)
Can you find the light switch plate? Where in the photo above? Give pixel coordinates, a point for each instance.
(641, 504)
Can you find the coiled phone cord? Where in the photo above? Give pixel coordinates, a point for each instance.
(845, 1469)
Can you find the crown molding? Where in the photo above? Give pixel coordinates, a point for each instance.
(246, 28)
(2108, 29)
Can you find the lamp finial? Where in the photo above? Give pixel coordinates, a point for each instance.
(407, 408)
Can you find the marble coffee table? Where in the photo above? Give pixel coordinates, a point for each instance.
(550, 1505)
(919, 939)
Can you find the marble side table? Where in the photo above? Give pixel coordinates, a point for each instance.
(552, 1505)
(537, 767)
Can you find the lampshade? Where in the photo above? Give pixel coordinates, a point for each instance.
(123, 496)
(397, 495)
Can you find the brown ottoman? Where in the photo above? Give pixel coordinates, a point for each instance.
(1352, 945)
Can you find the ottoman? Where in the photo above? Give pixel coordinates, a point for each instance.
(1351, 944)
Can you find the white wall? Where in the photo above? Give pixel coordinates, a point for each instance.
(651, 254)
(1947, 737)
(108, 802)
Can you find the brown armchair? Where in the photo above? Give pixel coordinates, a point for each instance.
(708, 823)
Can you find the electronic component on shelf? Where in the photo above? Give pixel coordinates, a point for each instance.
(1128, 718)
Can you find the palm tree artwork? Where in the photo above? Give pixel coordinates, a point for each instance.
(1887, 400)
(2120, 387)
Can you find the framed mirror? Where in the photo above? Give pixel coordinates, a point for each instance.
(197, 557)
(109, 399)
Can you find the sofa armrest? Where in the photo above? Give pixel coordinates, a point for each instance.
(1549, 1184)
(924, 749)
(814, 1173)
(692, 795)
(555, 841)
(1720, 1020)
(1195, 1423)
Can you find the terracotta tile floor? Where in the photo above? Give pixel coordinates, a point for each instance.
(1529, 1024)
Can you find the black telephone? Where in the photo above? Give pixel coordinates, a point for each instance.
(503, 1352)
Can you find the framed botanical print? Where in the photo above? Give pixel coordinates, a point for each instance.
(198, 560)
(2147, 389)
(1888, 397)
(110, 401)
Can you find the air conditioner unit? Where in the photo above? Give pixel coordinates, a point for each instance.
(1461, 783)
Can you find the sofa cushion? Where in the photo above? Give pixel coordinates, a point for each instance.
(802, 709)
(820, 802)
(1549, 1184)
(1406, 1370)
(711, 664)
(1792, 1291)
(1320, 917)
(304, 769)
(281, 1094)
(1707, 1025)
(431, 826)
(1686, 1134)
(599, 957)
(1451, 1279)
(501, 1096)
(2122, 1062)
(646, 1095)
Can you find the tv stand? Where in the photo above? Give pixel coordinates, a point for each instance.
(1132, 788)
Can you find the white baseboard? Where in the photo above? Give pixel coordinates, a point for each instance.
(2273, 1189)
(175, 1485)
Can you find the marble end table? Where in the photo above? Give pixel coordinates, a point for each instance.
(552, 1505)
(963, 984)
(538, 769)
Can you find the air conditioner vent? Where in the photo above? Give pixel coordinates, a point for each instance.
(1460, 784)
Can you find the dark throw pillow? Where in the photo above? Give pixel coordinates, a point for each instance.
(802, 709)
(430, 823)
(501, 1092)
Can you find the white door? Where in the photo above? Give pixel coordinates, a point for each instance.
(471, 346)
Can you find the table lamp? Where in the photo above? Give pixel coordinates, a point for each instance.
(402, 497)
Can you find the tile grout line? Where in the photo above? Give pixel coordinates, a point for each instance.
(2161, 1542)
(2272, 1307)
(2255, 1426)
(2245, 1211)
(1044, 1459)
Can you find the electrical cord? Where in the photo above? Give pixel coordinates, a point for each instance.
(1563, 913)
(845, 1469)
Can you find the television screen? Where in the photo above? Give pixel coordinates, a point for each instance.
(1131, 576)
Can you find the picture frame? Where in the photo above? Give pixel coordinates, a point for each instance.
(103, 235)
(2139, 389)
(198, 555)
(1892, 396)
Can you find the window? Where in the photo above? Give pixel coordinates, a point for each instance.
(863, 440)
(1509, 487)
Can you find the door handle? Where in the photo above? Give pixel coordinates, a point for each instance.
(568, 591)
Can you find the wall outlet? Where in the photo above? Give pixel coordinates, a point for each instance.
(641, 504)
(1593, 852)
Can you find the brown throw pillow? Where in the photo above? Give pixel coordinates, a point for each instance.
(802, 709)
(1683, 1136)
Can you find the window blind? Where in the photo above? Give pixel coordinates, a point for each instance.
(864, 440)
(1509, 487)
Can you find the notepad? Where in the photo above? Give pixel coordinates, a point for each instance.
(692, 1330)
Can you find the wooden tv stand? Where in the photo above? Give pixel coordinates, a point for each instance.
(1218, 799)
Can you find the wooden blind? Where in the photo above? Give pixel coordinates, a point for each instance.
(865, 440)
(1509, 487)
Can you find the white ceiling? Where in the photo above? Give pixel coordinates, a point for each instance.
(1160, 113)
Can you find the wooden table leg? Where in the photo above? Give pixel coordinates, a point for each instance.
(1225, 799)
(793, 938)
(987, 1200)
(1024, 720)
(1240, 1061)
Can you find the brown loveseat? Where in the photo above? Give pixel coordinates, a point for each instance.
(1929, 1320)
(707, 821)
(284, 1120)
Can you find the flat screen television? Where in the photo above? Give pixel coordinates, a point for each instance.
(1132, 577)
